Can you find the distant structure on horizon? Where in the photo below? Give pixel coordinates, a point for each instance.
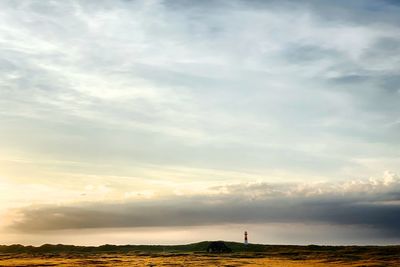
(246, 241)
(218, 247)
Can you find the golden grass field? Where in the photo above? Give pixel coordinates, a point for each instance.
(182, 259)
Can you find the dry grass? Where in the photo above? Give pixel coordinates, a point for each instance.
(181, 259)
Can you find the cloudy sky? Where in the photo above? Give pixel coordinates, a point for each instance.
(180, 121)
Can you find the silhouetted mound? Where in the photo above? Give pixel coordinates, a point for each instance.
(218, 247)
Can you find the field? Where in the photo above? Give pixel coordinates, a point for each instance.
(257, 255)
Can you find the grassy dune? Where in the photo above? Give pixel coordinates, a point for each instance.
(194, 255)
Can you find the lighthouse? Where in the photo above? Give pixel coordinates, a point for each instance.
(245, 238)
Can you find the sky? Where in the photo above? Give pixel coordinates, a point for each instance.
(169, 122)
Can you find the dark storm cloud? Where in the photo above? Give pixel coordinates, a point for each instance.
(304, 54)
(341, 11)
(391, 83)
(384, 47)
(350, 79)
(374, 203)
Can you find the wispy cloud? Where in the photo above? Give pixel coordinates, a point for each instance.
(233, 77)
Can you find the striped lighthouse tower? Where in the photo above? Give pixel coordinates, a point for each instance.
(246, 241)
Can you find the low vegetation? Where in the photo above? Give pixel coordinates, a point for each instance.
(196, 255)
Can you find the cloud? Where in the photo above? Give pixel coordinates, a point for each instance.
(373, 203)
(227, 78)
(201, 91)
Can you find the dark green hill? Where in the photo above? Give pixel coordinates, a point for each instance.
(195, 247)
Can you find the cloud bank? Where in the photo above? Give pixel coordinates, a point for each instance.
(370, 203)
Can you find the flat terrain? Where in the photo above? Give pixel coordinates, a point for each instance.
(194, 255)
(184, 259)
